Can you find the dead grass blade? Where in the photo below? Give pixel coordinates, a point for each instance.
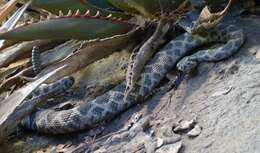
(7, 9)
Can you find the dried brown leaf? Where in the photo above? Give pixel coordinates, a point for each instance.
(7, 9)
(208, 20)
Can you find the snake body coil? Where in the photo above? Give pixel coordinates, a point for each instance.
(107, 106)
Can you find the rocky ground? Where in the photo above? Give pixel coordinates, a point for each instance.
(215, 111)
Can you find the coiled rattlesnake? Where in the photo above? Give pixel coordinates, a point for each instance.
(107, 106)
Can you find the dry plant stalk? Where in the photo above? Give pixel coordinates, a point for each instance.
(14, 79)
(139, 59)
(93, 51)
(24, 49)
(7, 9)
(208, 20)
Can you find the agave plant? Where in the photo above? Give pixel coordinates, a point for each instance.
(105, 19)
(106, 24)
(90, 20)
(83, 19)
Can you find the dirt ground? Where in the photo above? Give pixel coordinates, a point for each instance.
(223, 98)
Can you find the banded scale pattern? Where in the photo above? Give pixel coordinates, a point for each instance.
(36, 60)
(90, 114)
(53, 88)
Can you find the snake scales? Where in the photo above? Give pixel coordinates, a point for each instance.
(107, 106)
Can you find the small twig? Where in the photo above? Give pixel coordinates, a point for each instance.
(167, 102)
(12, 80)
(174, 84)
(133, 120)
(182, 7)
(84, 146)
(29, 79)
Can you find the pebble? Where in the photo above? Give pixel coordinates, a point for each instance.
(195, 131)
(184, 125)
(101, 151)
(222, 92)
(174, 148)
(159, 142)
(257, 55)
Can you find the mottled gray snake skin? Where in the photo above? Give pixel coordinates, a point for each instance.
(53, 89)
(91, 113)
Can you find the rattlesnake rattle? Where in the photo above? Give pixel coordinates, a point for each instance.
(36, 60)
(90, 114)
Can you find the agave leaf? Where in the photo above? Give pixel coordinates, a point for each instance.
(7, 9)
(93, 51)
(122, 5)
(13, 20)
(104, 4)
(60, 52)
(68, 28)
(147, 8)
(54, 6)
